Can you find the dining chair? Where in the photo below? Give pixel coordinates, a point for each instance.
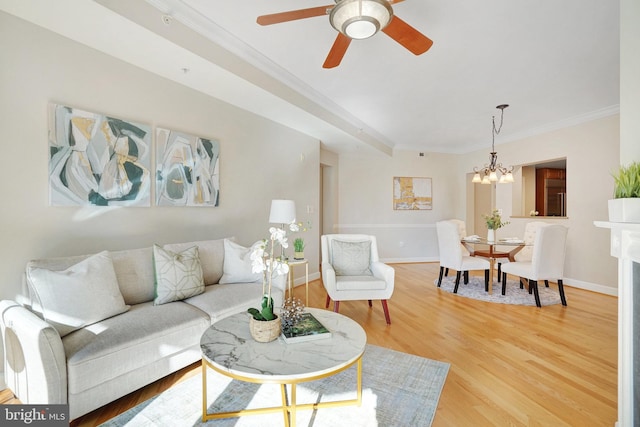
(452, 256)
(352, 270)
(462, 230)
(547, 261)
(525, 254)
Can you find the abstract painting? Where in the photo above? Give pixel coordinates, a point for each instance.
(410, 193)
(187, 172)
(97, 160)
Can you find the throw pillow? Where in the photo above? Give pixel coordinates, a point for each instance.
(178, 274)
(237, 264)
(81, 295)
(351, 258)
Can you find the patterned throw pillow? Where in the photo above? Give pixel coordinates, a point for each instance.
(81, 295)
(178, 274)
(351, 258)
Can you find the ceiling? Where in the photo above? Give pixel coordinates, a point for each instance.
(555, 62)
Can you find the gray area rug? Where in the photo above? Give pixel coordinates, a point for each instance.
(398, 389)
(513, 294)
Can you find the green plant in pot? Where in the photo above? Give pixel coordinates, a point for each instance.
(264, 324)
(298, 248)
(625, 205)
(494, 221)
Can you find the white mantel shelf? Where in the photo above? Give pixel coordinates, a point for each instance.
(625, 245)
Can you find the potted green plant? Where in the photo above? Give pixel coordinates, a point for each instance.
(298, 248)
(625, 205)
(264, 324)
(494, 221)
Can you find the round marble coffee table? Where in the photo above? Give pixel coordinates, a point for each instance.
(227, 347)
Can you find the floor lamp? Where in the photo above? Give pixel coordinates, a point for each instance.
(283, 212)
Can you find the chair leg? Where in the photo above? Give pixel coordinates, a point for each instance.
(546, 283)
(466, 277)
(370, 305)
(440, 276)
(521, 283)
(455, 288)
(328, 301)
(499, 271)
(336, 306)
(385, 307)
(446, 272)
(504, 283)
(486, 280)
(561, 289)
(534, 284)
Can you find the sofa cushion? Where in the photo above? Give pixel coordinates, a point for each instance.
(134, 270)
(178, 274)
(223, 300)
(351, 258)
(211, 257)
(80, 295)
(121, 344)
(237, 264)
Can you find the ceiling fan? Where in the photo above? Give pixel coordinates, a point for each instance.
(357, 19)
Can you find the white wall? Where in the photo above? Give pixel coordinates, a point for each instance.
(592, 153)
(260, 160)
(366, 192)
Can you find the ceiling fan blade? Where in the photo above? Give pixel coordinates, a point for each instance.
(407, 36)
(337, 51)
(293, 15)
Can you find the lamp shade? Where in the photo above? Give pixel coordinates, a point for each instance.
(282, 212)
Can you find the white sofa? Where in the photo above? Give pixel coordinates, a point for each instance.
(88, 363)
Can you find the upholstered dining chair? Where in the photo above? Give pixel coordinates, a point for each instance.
(529, 237)
(547, 261)
(452, 255)
(351, 270)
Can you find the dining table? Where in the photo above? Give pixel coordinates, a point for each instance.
(471, 242)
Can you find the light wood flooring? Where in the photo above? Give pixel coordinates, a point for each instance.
(510, 365)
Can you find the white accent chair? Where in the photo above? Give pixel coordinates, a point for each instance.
(547, 261)
(452, 255)
(351, 270)
(529, 238)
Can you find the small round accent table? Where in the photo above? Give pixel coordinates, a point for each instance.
(227, 348)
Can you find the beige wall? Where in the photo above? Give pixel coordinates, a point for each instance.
(629, 81)
(260, 160)
(592, 153)
(365, 200)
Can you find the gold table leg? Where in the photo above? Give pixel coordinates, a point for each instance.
(288, 409)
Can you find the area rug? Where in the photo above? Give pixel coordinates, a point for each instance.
(513, 295)
(398, 389)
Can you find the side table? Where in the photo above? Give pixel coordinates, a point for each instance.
(296, 262)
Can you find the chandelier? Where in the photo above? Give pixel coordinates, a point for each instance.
(360, 19)
(490, 172)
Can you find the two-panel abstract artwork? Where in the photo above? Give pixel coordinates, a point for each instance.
(100, 160)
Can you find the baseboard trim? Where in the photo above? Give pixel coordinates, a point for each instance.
(593, 287)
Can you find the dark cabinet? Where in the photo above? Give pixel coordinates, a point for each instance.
(551, 192)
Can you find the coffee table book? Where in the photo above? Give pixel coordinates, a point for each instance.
(306, 329)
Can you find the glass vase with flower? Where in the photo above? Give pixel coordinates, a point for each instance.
(494, 222)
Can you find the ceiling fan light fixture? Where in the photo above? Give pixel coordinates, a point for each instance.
(360, 19)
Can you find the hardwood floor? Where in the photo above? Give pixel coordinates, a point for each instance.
(510, 365)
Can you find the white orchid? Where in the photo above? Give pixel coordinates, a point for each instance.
(263, 260)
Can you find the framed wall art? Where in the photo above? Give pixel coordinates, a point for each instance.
(187, 171)
(412, 193)
(97, 160)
